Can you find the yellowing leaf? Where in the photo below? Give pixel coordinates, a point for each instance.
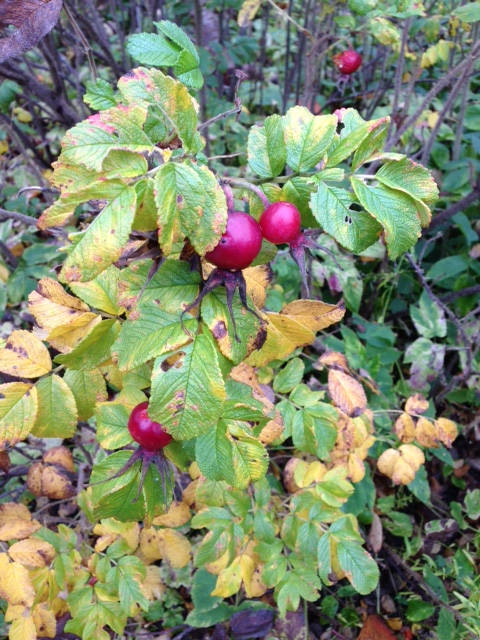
(257, 280)
(271, 431)
(356, 468)
(16, 522)
(177, 515)
(15, 584)
(57, 412)
(229, 580)
(247, 13)
(32, 553)
(401, 464)
(45, 621)
(405, 428)
(150, 545)
(346, 393)
(446, 430)
(23, 628)
(426, 433)
(64, 318)
(175, 547)
(25, 356)
(152, 586)
(295, 326)
(416, 404)
(111, 528)
(334, 359)
(18, 410)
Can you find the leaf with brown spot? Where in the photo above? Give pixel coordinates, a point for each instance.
(346, 393)
(25, 356)
(18, 410)
(295, 326)
(61, 456)
(15, 584)
(44, 620)
(16, 522)
(51, 481)
(33, 19)
(32, 553)
(416, 404)
(334, 359)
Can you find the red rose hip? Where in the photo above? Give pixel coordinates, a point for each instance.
(281, 223)
(239, 245)
(348, 61)
(150, 435)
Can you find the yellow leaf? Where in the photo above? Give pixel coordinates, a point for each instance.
(25, 356)
(346, 393)
(255, 587)
(152, 586)
(64, 318)
(18, 410)
(52, 481)
(356, 468)
(45, 621)
(177, 515)
(229, 580)
(401, 464)
(59, 455)
(426, 434)
(446, 430)
(175, 547)
(334, 359)
(16, 522)
(150, 549)
(403, 473)
(271, 431)
(14, 611)
(23, 628)
(416, 404)
(405, 428)
(295, 326)
(22, 114)
(247, 567)
(248, 11)
(32, 553)
(217, 566)
(15, 584)
(257, 280)
(110, 527)
(306, 473)
(3, 147)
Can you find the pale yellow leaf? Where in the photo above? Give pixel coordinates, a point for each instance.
(405, 428)
(346, 393)
(32, 553)
(247, 12)
(217, 566)
(416, 404)
(16, 522)
(387, 461)
(447, 431)
(23, 628)
(295, 326)
(14, 611)
(356, 468)
(18, 411)
(45, 621)
(175, 547)
(229, 580)
(152, 586)
(258, 280)
(426, 433)
(334, 359)
(25, 356)
(177, 515)
(15, 584)
(150, 549)
(111, 527)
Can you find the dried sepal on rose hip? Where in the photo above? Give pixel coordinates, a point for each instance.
(237, 249)
(152, 439)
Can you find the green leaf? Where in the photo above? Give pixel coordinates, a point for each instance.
(190, 203)
(296, 584)
(152, 49)
(355, 130)
(112, 420)
(446, 627)
(428, 318)
(298, 191)
(57, 411)
(88, 388)
(314, 429)
(173, 287)
(187, 67)
(354, 230)
(89, 142)
(266, 148)
(307, 137)
(173, 105)
(94, 349)
(371, 145)
(469, 12)
(101, 292)
(418, 610)
(99, 95)
(472, 504)
(187, 398)
(410, 177)
(152, 333)
(360, 568)
(102, 243)
(395, 211)
(227, 452)
(288, 377)
(115, 497)
(130, 572)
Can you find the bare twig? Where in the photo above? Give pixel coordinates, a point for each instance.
(19, 217)
(455, 208)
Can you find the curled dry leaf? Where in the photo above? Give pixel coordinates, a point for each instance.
(4, 461)
(32, 553)
(375, 535)
(51, 481)
(24, 356)
(335, 360)
(16, 522)
(416, 404)
(426, 433)
(405, 428)
(401, 464)
(447, 431)
(61, 456)
(33, 19)
(346, 393)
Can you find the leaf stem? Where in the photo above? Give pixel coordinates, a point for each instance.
(244, 184)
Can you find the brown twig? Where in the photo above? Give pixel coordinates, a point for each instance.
(19, 217)
(455, 208)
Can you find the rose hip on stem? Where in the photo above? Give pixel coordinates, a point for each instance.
(281, 223)
(347, 61)
(150, 435)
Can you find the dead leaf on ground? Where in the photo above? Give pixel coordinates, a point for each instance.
(374, 628)
(375, 535)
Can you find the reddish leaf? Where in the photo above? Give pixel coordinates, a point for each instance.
(33, 19)
(374, 628)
